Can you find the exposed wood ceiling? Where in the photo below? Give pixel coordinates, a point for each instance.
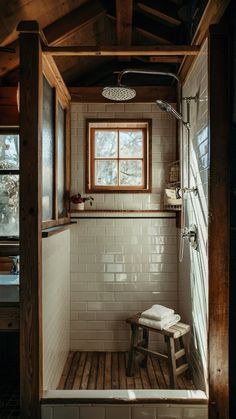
(96, 23)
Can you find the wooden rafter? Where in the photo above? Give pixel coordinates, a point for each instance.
(147, 28)
(106, 51)
(124, 18)
(162, 9)
(74, 21)
(150, 35)
(59, 31)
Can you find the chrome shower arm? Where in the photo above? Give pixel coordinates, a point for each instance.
(152, 72)
(155, 73)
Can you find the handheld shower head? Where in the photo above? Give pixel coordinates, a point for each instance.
(118, 93)
(165, 106)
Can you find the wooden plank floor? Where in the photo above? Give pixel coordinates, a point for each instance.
(107, 370)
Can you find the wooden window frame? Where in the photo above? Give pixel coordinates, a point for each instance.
(8, 131)
(59, 98)
(118, 125)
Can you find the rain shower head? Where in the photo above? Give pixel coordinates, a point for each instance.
(165, 106)
(118, 93)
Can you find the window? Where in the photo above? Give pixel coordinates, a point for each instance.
(55, 164)
(118, 156)
(9, 183)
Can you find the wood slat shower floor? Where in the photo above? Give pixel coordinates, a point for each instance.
(107, 370)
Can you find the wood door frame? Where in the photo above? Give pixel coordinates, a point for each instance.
(30, 225)
(33, 65)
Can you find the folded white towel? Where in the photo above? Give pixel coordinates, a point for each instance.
(157, 312)
(163, 324)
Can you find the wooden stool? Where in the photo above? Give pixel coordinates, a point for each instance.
(170, 335)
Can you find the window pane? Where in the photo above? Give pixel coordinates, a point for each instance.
(61, 162)
(106, 172)
(131, 143)
(48, 151)
(9, 205)
(9, 151)
(106, 143)
(131, 172)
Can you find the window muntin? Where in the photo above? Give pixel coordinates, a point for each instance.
(118, 157)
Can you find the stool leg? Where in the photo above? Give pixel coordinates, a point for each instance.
(134, 337)
(171, 361)
(145, 345)
(188, 373)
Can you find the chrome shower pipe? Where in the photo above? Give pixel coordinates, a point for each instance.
(156, 73)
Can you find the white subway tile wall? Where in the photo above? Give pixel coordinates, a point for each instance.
(193, 277)
(119, 267)
(163, 151)
(161, 411)
(56, 306)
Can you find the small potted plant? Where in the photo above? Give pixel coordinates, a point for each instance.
(78, 201)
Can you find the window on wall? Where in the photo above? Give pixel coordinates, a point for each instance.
(55, 165)
(118, 156)
(9, 183)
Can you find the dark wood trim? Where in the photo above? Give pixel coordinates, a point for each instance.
(9, 172)
(110, 51)
(9, 248)
(30, 225)
(48, 232)
(219, 221)
(144, 94)
(54, 223)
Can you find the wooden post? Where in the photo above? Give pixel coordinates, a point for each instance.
(219, 237)
(30, 220)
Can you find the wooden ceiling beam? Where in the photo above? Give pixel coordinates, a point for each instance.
(106, 51)
(163, 9)
(167, 60)
(124, 19)
(144, 94)
(58, 31)
(146, 28)
(213, 12)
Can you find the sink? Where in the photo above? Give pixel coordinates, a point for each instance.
(9, 288)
